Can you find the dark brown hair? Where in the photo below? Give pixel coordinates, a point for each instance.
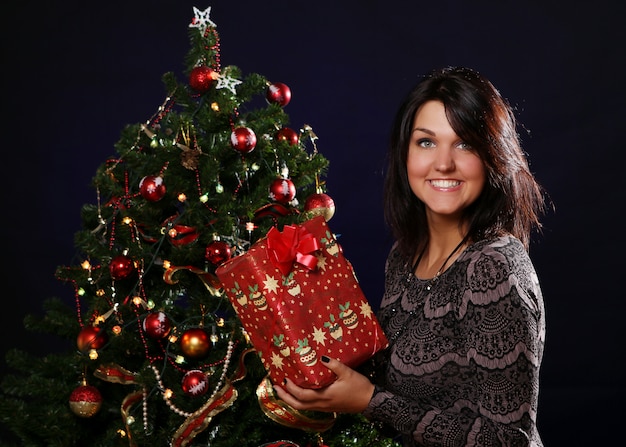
(511, 201)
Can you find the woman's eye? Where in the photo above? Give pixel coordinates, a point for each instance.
(465, 146)
(425, 142)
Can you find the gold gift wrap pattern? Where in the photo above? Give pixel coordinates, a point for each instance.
(294, 319)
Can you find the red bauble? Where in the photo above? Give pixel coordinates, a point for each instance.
(201, 78)
(152, 188)
(288, 135)
(195, 343)
(282, 190)
(243, 139)
(195, 383)
(91, 337)
(157, 325)
(121, 267)
(320, 203)
(85, 401)
(217, 252)
(278, 93)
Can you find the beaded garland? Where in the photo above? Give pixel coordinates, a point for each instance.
(166, 398)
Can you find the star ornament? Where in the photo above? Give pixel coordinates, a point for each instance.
(201, 20)
(227, 82)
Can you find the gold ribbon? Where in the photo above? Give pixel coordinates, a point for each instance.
(209, 280)
(199, 420)
(128, 402)
(115, 374)
(278, 411)
(223, 399)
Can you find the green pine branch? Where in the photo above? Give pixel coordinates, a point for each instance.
(212, 191)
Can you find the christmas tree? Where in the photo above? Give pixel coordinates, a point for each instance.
(160, 356)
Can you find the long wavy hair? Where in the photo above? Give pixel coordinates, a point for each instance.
(511, 201)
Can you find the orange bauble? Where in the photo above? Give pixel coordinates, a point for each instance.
(195, 343)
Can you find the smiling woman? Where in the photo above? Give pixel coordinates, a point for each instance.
(79, 71)
(463, 309)
(443, 170)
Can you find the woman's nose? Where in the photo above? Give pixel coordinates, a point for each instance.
(444, 160)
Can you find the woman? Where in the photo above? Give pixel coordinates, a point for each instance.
(462, 308)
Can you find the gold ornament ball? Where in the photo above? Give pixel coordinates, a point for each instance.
(320, 204)
(85, 401)
(195, 343)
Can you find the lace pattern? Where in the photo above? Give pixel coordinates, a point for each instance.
(463, 363)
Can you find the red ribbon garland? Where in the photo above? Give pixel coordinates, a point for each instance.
(294, 244)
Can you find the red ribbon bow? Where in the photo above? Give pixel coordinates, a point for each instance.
(293, 244)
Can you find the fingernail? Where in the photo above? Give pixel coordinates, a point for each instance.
(284, 381)
(325, 359)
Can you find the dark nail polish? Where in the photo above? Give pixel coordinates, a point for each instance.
(325, 359)
(284, 381)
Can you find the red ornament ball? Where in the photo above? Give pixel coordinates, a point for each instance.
(282, 190)
(217, 252)
(320, 203)
(243, 139)
(288, 135)
(91, 337)
(152, 188)
(195, 383)
(278, 93)
(85, 401)
(195, 343)
(121, 267)
(157, 325)
(201, 78)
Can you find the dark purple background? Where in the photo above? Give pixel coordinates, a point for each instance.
(76, 72)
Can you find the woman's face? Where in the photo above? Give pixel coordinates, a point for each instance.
(443, 171)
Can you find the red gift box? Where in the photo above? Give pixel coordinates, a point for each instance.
(298, 298)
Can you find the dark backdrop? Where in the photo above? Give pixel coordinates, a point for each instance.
(74, 73)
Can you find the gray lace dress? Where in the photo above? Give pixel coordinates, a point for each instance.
(462, 368)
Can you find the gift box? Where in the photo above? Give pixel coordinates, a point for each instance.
(298, 298)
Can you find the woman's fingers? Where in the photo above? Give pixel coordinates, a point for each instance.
(350, 392)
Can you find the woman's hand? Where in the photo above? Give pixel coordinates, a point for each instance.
(350, 393)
